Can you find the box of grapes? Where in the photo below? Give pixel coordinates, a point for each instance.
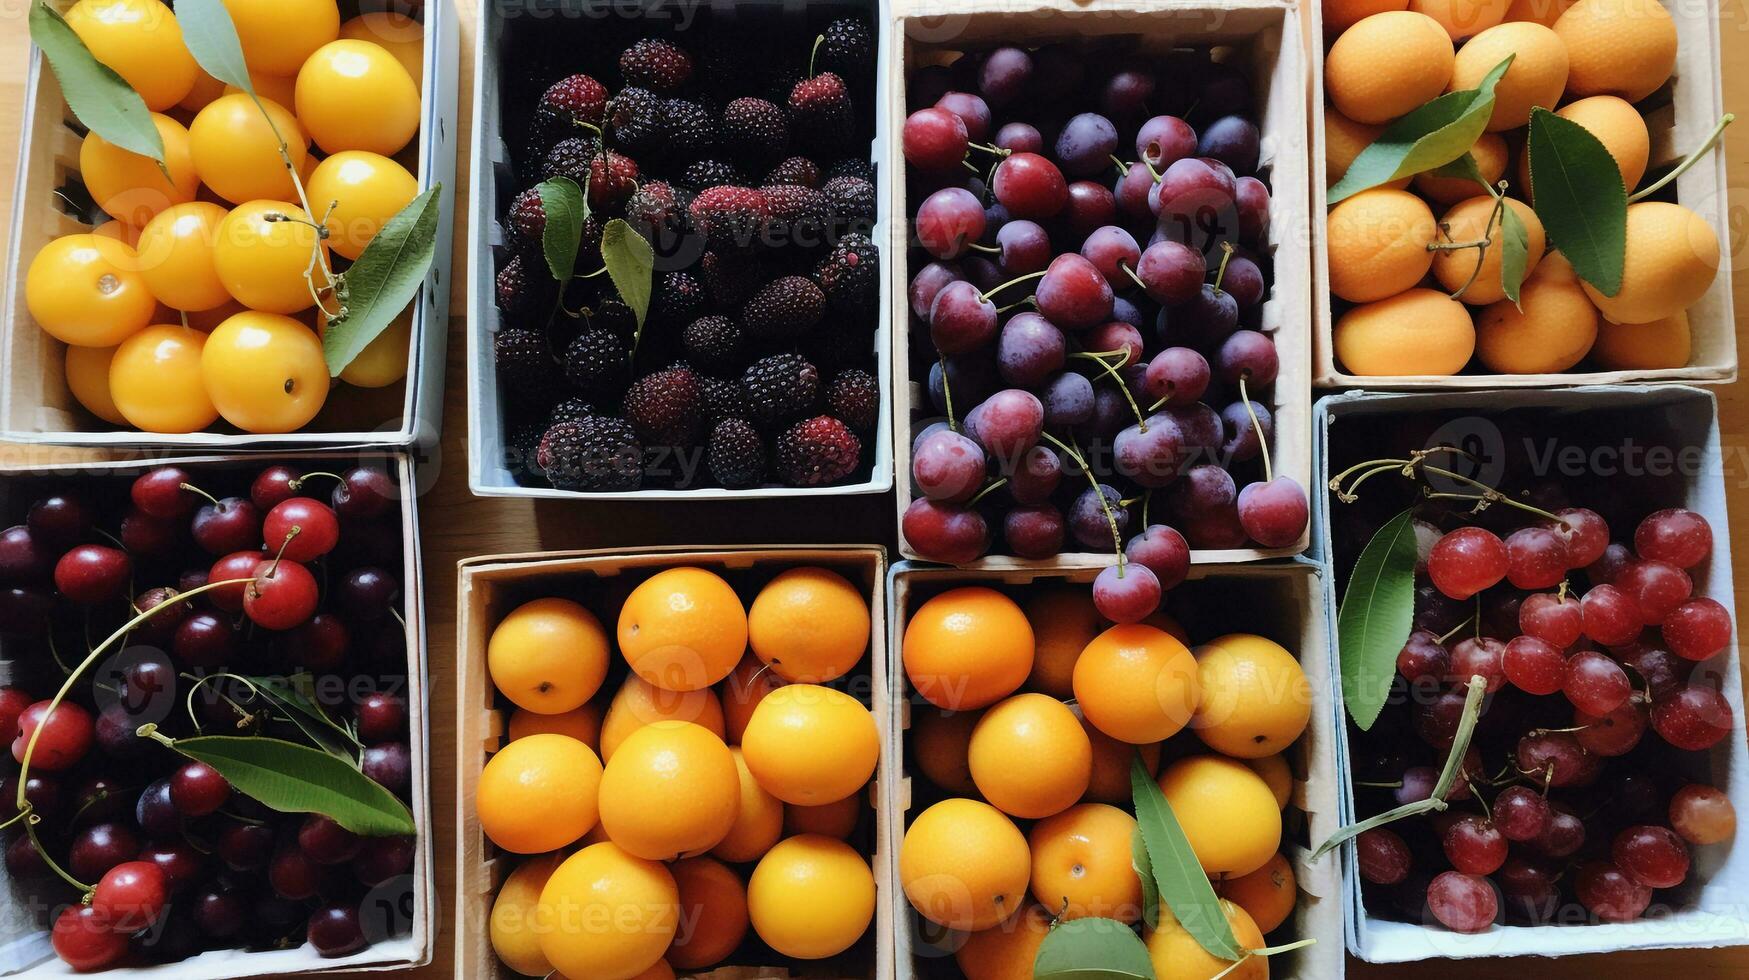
(675, 762)
(1559, 218)
(1030, 764)
(196, 265)
(1107, 300)
(710, 319)
(1532, 623)
(212, 686)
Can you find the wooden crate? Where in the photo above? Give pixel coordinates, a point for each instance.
(24, 948)
(489, 587)
(1678, 126)
(37, 407)
(1282, 601)
(1267, 33)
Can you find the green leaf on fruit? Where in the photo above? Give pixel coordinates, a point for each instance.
(211, 37)
(293, 778)
(1463, 168)
(1144, 870)
(384, 280)
(1377, 612)
(631, 264)
(1092, 949)
(565, 208)
(1179, 876)
(1514, 253)
(1425, 139)
(1579, 198)
(292, 701)
(100, 99)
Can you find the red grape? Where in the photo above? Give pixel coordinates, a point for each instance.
(1528, 889)
(1382, 856)
(1553, 618)
(1521, 813)
(1466, 561)
(1702, 814)
(1564, 835)
(1609, 894)
(1698, 629)
(1596, 684)
(1652, 856)
(1463, 902)
(1692, 718)
(1474, 845)
(1536, 558)
(1678, 536)
(1533, 665)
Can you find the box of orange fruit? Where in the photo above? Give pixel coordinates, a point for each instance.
(1022, 715)
(674, 763)
(1404, 302)
(173, 307)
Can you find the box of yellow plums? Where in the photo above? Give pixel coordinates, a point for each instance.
(674, 763)
(1020, 717)
(185, 306)
(1410, 286)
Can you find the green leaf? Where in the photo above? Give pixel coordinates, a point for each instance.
(211, 37)
(1463, 168)
(99, 98)
(1579, 198)
(1514, 252)
(327, 734)
(293, 778)
(631, 264)
(1179, 875)
(1377, 611)
(1092, 949)
(1426, 138)
(1144, 870)
(384, 280)
(566, 209)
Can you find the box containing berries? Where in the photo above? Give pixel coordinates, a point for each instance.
(1030, 765)
(1536, 186)
(1545, 746)
(676, 279)
(674, 762)
(1107, 297)
(212, 688)
(231, 225)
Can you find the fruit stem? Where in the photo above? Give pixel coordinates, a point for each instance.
(1123, 169)
(297, 483)
(988, 148)
(986, 294)
(999, 484)
(1147, 499)
(1454, 630)
(188, 702)
(1133, 277)
(1029, 301)
(84, 665)
(968, 165)
(191, 488)
(1151, 171)
(1221, 273)
(1081, 461)
(1262, 443)
(1491, 494)
(317, 256)
(1712, 140)
(591, 275)
(947, 394)
(986, 249)
(1099, 359)
(814, 52)
(1159, 404)
(84, 890)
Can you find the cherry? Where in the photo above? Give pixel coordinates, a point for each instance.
(160, 492)
(1475, 846)
(307, 528)
(23, 560)
(1466, 561)
(244, 847)
(1383, 857)
(1521, 814)
(1030, 186)
(1697, 629)
(391, 765)
(272, 485)
(1171, 272)
(1609, 894)
(205, 639)
(381, 717)
(972, 110)
(85, 940)
(1165, 140)
(1019, 137)
(1126, 593)
(131, 895)
(1610, 615)
(1656, 587)
(1025, 245)
(100, 847)
(221, 913)
(1614, 734)
(1554, 619)
(1693, 718)
(24, 862)
(97, 799)
(1536, 558)
(1534, 665)
(58, 521)
(1678, 536)
(238, 565)
(283, 594)
(1163, 551)
(948, 221)
(1585, 533)
(1131, 194)
(326, 842)
(1114, 252)
(66, 737)
(156, 811)
(1252, 197)
(42, 792)
(1274, 513)
(223, 526)
(934, 140)
(25, 612)
(93, 573)
(145, 536)
(292, 875)
(197, 789)
(1091, 205)
(1073, 294)
(1424, 659)
(13, 701)
(363, 493)
(320, 644)
(335, 931)
(384, 858)
(1611, 562)
(115, 731)
(962, 319)
(1178, 376)
(158, 629)
(945, 532)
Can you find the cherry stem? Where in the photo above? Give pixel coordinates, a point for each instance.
(947, 394)
(1492, 495)
(1110, 518)
(814, 53)
(993, 290)
(1687, 162)
(43, 852)
(1151, 171)
(297, 483)
(296, 529)
(592, 275)
(1147, 499)
(1099, 359)
(1123, 168)
(999, 484)
(1257, 426)
(986, 249)
(191, 488)
(1454, 630)
(1029, 301)
(1133, 277)
(1159, 404)
(968, 165)
(1221, 273)
(988, 148)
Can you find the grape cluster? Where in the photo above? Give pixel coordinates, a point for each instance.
(1578, 784)
(174, 858)
(1113, 407)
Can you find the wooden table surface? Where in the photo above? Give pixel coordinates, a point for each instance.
(456, 525)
